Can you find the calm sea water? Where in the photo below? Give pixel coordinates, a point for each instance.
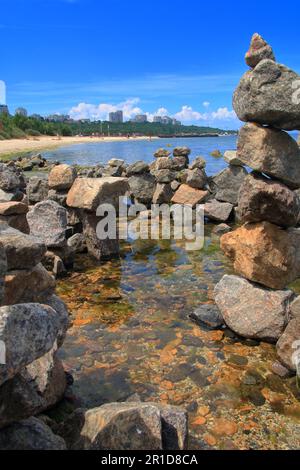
(131, 151)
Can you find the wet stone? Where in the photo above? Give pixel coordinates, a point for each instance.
(209, 315)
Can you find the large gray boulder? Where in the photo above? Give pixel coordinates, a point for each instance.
(227, 183)
(62, 316)
(37, 189)
(37, 387)
(28, 331)
(137, 168)
(163, 193)
(270, 151)
(142, 188)
(30, 434)
(134, 426)
(10, 178)
(196, 178)
(98, 248)
(263, 199)
(22, 251)
(218, 211)
(252, 311)
(267, 95)
(48, 222)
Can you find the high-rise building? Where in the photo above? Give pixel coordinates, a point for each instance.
(2, 92)
(116, 116)
(166, 120)
(21, 112)
(140, 118)
(157, 119)
(3, 109)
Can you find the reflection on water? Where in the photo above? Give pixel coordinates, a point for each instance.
(131, 334)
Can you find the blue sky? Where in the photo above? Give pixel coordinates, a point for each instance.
(88, 57)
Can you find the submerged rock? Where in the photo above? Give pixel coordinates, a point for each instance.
(209, 315)
(252, 311)
(263, 199)
(267, 95)
(270, 151)
(264, 253)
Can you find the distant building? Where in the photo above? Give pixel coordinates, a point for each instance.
(116, 116)
(58, 117)
(175, 122)
(3, 109)
(140, 118)
(157, 119)
(21, 112)
(37, 116)
(167, 120)
(2, 92)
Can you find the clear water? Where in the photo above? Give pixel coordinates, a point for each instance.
(132, 150)
(132, 333)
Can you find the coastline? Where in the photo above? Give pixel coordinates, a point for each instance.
(18, 146)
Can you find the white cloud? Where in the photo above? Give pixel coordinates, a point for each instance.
(206, 104)
(221, 117)
(101, 111)
(188, 114)
(223, 114)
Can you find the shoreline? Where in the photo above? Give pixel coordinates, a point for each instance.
(14, 147)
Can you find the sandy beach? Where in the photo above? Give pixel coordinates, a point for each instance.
(38, 144)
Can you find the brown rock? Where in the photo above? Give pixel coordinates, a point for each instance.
(18, 222)
(263, 199)
(89, 193)
(264, 253)
(61, 177)
(13, 208)
(270, 151)
(189, 196)
(224, 427)
(28, 286)
(259, 50)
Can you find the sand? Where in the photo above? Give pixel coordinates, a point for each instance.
(38, 144)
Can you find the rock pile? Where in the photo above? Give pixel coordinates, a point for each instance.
(265, 250)
(33, 325)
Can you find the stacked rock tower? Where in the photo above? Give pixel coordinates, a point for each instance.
(265, 249)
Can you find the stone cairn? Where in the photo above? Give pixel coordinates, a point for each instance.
(265, 249)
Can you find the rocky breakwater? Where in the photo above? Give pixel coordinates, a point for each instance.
(33, 324)
(265, 249)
